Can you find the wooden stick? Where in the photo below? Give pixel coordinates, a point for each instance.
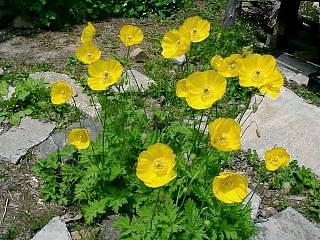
(5, 211)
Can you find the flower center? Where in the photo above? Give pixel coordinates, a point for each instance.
(227, 183)
(129, 38)
(194, 31)
(232, 66)
(160, 167)
(257, 76)
(274, 161)
(223, 140)
(206, 94)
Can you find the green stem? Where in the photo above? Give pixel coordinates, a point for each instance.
(75, 104)
(104, 123)
(154, 210)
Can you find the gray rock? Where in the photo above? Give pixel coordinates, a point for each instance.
(15, 143)
(58, 140)
(51, 145)
(254, 203)
(301, 79)
(294, 76)
(139, 55)
(295, 64)
(54, 230)
(108, 232)
(20, 22)
(83, 101)
(287, 225)
(288, 122)
(132, 79)
(11, 91)
(1, 71)
(179, 60)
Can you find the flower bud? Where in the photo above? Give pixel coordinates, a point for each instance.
(207, 223)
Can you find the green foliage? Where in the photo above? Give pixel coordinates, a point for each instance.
(11, 233)
(30, 98)
(300, 180)
(56, 13)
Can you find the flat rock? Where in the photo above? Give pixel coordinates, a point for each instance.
(287, 225)
(83, 101)
(139, 55)
(255, 202)
(291, 75)
(108, 232)
(180, 60)
(59, 139)
(296, 64)
(134, 78)
(54, 230)
(15, 143)
(288, 122)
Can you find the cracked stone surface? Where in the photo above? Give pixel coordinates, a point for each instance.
(15, 143)
(82, 100)
(134, 78)
(58, 140)
(288, 122)
(54, 230)
(287, 225)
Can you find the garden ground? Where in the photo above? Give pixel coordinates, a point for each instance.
(25, 212)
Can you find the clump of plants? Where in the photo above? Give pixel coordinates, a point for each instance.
(292, 180)
(164, 175)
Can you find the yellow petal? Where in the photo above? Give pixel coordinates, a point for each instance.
(88, 53)
(88, 33)
(61, 92)
(131, 35)
(79, 137)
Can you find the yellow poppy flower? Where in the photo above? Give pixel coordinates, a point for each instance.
(196, 27)
(155, 165)
(272, 89)
(181, 88)
(227, 67)
(174, 44)
(103, 74)
(275, 158)
(257, 70)
(131, 35)
(230, 187)
(225, 134)
(204, 89)
(88, 33)
(88, 53)
(61, 92)
(79, 137)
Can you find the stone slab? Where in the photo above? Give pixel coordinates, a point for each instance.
(255, 202)
(133, 78)
(296, 64)
(58, 139)
(291, 75)
(288, 122)
(54, 230)
(82, 100)
(287, 225)
(15, 143)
